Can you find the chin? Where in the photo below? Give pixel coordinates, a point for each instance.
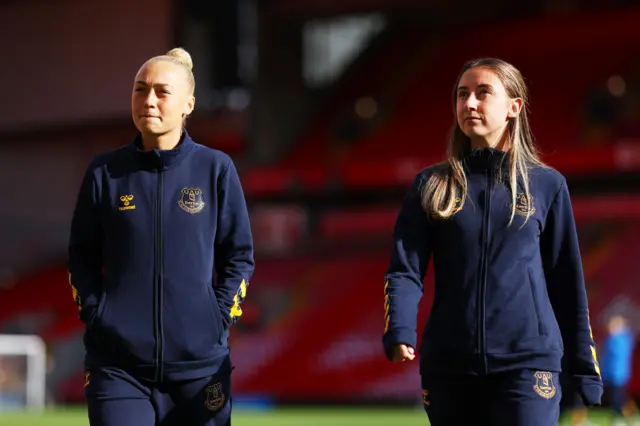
(474, 135)
(148, 130)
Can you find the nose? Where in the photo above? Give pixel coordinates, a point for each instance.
(471, 102)
(151, 99)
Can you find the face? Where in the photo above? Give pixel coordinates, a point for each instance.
(616, 324)
(161, 98)
(483, 107)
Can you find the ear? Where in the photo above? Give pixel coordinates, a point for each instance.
(515, 106)
(191, 103)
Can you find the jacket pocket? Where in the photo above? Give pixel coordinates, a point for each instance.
(535, 295)
(191, 323)
(215, 312)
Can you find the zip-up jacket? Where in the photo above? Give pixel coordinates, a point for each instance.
(507, 296)
(160, 257)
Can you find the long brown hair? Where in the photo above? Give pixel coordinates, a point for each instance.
(446, 189)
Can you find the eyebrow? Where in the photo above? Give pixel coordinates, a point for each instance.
(144, 83)
(480, 86)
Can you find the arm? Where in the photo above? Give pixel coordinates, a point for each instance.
(403, 286)
(568, 296)
(85, 250)
(233, 246)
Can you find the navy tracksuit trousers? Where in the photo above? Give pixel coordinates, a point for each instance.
(115, 398)
(518, 398)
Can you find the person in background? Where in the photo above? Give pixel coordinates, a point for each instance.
(616, 364)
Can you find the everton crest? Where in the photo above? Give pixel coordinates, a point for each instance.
(544, 384)
(524, 205)
(214, 399)
(191, 200)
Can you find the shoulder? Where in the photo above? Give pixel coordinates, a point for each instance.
(103, 160)
(435, 170)
(547, 179)
(214, 157)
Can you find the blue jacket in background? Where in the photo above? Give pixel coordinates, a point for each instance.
(506, 297)
(160, 257)
(616, 358)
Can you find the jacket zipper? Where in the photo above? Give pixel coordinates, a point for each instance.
(484, 271)
(158, 281)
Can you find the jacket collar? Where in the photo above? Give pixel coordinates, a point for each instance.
(485, 159)
(163, 159)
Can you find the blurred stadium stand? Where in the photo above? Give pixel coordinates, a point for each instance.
(324, 168)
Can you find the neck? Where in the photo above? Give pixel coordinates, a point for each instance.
(499, 140)
(163, 142)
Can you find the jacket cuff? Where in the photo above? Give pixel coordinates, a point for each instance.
(398, 336)
(591, 394)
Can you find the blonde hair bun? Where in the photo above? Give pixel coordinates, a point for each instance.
(183, 56)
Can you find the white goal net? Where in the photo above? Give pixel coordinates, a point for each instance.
(23, 369)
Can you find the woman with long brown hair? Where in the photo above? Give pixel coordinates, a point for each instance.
(510, 300)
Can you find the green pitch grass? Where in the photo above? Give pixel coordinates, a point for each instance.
(281, 417)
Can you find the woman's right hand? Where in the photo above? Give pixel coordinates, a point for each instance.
(402, 353)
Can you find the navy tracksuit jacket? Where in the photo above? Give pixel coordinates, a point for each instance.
(507, 298)
(160, 258)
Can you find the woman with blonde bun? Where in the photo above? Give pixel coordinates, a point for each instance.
(160, 258)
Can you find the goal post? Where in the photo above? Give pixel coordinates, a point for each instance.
(23, 371)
